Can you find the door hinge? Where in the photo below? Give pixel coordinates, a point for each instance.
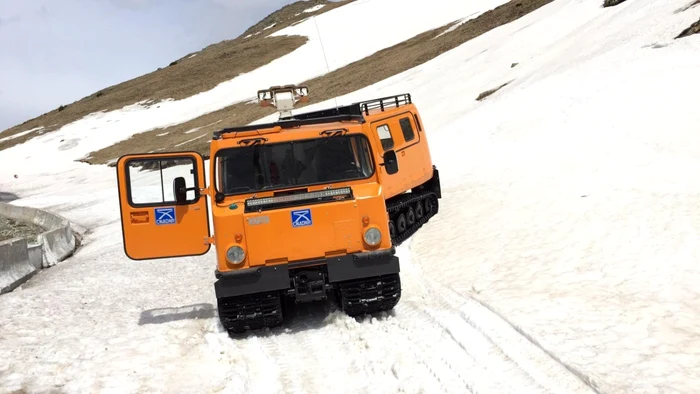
(209, 241)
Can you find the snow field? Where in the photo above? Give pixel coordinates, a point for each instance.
(570, 194)
(569, 208)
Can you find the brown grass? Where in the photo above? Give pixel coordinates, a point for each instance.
(357, 75)
(184, 77)
(287, 15)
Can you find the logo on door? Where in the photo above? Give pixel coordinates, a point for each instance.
(165, 216)
(301, 218)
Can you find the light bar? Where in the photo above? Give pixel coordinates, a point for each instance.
(321, 194)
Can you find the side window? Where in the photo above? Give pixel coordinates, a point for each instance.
(407, 129)
(385, 136)
(151, 180)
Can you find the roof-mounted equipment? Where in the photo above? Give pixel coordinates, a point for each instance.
(284, 98)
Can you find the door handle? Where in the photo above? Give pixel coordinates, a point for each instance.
(139, 217)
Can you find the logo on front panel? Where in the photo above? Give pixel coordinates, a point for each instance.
(301, 218)
(165, 216)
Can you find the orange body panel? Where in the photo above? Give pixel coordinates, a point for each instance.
(415, 162)
(268, 237)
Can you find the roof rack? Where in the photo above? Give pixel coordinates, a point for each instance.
(384, 102)
(290, 124)
(351, 112)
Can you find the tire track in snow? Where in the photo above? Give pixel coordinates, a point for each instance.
(539, 364)
(435, 340)
(485, 357)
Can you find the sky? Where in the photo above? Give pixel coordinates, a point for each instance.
(56, 52)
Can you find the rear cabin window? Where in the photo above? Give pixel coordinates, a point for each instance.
(407, 129)
(417, 122)
(385, 137)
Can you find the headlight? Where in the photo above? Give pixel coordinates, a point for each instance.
(235, 254)
(373, 236)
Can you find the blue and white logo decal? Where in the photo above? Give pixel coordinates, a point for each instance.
(301, 218)
(165, 216)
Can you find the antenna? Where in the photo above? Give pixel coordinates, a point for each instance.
(323, 50)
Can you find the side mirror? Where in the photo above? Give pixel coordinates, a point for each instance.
(180, 190)
(391, 163)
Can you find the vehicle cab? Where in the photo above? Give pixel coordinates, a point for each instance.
(297, 207)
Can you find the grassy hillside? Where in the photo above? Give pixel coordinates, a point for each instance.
(220, 62)
(193, 135)
(184, 77)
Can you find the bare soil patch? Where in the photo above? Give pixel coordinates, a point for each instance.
(193, 73)
(692, 29)
(489, 92)
(612, 3)
(357, 75)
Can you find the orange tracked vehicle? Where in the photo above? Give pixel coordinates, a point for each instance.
(312, 204)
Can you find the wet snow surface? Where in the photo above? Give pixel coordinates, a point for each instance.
(570, 210)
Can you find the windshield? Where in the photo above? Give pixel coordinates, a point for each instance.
(250, 169)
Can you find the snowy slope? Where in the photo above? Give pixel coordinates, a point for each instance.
(569, 208)
(102, 129)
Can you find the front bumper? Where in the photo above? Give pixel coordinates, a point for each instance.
(280, 277)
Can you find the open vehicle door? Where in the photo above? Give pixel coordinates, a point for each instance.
(163, 210)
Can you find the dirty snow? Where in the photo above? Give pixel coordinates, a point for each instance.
(569, 210)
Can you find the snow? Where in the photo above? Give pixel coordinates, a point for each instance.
(455, 26)
(314, 8)
(193, 139)
(23, 133)
(194, 130)
(564, 254)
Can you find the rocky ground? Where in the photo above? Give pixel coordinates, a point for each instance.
(12, 229)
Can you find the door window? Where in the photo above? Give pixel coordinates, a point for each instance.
(151, 180)
(385, 137)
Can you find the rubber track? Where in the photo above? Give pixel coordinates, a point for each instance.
(250, 312)
(395, 207)
(370, 295)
